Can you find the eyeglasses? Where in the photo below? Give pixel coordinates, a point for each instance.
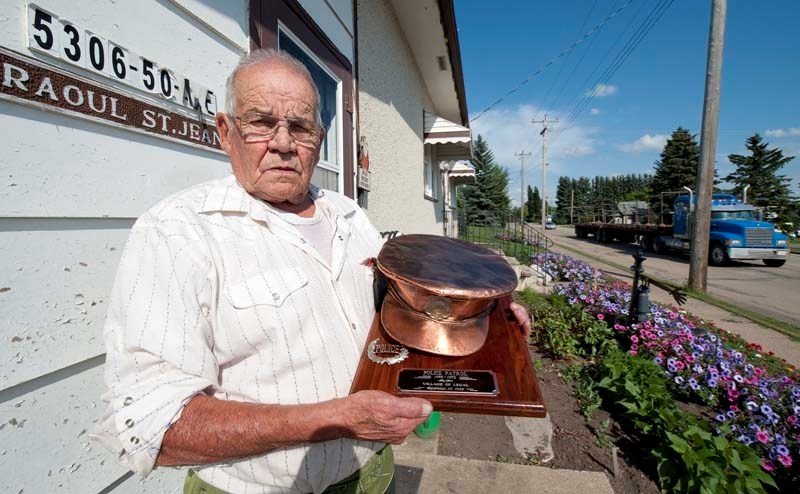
(261, 127)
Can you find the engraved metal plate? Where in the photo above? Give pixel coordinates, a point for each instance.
(386, 353)
(447, 381)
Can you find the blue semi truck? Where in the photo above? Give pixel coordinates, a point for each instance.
(736, 232)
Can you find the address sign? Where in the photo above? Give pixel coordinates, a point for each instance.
(62, 39)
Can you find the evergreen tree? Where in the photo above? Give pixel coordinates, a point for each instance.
(759, 171)
(563, 198)
(533, 205)
(488, 198)
(676, 168)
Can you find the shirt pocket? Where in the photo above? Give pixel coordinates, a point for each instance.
(271, 288)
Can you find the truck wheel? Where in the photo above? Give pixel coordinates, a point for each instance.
(774, 263)
(658, 246)
(646, 243)
(717, 255)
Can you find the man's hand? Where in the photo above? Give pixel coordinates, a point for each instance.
(521, 314)
(381, 417)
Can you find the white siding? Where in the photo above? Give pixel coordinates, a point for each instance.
(69, 192)
(335, 18)
(392, 98)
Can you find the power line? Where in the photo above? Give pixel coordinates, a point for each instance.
(553, 60)
(575, 68)
(641, 33)
(561, 67)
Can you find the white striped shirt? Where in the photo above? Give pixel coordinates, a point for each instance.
(216, 292)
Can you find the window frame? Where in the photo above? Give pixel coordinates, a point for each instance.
(265, 16)
(338, 166)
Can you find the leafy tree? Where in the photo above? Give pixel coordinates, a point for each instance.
(533, 206)
(488, 198)
(759, 171)
(676, 168)
(563, 200)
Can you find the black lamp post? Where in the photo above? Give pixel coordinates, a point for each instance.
(640, 294)
(639, 310)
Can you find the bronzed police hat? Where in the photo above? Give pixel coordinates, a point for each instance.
(441, 292)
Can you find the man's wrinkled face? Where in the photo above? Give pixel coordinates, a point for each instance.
(277, 170)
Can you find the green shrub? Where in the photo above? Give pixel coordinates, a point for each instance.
(689, 457)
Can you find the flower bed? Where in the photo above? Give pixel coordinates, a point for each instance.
(755, 397)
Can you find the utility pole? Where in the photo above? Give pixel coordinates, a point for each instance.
(704, 185)
(522, 155)
(571, 205)
(543, 133)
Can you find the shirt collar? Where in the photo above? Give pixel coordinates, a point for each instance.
(229, 196)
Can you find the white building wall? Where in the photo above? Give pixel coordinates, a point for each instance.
(69, 192)
(392, 98)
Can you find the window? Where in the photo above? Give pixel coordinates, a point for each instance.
(327, 174)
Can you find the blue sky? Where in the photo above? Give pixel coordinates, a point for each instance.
(658, 88)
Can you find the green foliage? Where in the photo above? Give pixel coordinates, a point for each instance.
(588, 398)
(689, 457)
(694, 460)
(759, 171)
(676, 168)
(567, 332)
(533, 206)
(489, 195)
(601, 432)
(597, 198)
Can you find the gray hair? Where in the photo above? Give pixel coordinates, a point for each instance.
(267, 56)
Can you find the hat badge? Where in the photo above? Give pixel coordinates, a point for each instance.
(438, 308)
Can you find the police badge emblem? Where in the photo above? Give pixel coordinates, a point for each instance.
(386, 353)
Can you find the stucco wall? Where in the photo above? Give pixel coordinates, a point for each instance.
(392, 97)
(70, 191)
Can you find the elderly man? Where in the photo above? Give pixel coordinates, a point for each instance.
(240, 310)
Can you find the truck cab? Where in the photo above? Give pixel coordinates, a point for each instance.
(736, 233)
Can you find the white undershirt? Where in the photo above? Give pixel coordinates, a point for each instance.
(317, 230)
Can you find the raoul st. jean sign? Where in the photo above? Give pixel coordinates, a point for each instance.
(33, 82)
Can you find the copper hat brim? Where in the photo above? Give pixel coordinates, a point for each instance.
(416, 330)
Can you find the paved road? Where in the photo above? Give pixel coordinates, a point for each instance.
(748, 284)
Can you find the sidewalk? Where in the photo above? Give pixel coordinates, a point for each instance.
(420, 469)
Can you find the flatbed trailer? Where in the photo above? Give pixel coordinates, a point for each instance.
(644, 234)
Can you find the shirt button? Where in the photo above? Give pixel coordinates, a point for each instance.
(341, 238)
(129, 423)
(302, 240)
(353, 325)
(127, 401)
(135, 440)
(275, 296)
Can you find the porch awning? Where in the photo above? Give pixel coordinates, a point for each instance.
(453, 141)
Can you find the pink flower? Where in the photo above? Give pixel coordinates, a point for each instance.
(679, 365)
(762, 437)
(792, 419)
(634, 339)
(633, 352)
(768, 465)
(601, 316)
(785, 460)
(734, 408)
(689, 359)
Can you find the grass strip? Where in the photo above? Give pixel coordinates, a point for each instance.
(783, 327)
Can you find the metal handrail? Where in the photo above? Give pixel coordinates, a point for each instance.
(499, 231)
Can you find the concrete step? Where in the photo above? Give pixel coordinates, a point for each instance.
(426, 473)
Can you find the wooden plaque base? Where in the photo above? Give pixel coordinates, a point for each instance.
(505, 354)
